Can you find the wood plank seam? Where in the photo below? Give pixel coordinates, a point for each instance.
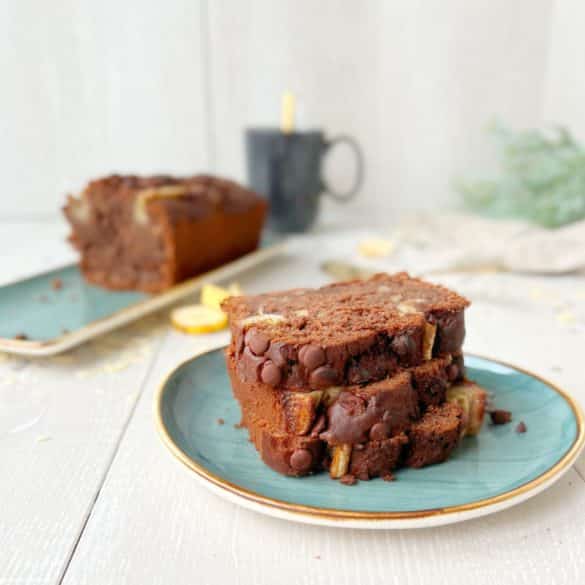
(112, 458)
(578, 472)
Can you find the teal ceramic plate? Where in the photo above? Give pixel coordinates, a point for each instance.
(493, 471)
(56, 319)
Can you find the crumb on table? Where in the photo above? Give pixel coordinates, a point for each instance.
(521, 427)
(56, 284)
(21, 336)
(220, 421)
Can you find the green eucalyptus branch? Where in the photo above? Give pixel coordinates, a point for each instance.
(542, 178)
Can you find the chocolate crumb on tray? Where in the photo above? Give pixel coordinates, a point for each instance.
(500, 417)
(220, 421)
(56, 284)
(21, 336)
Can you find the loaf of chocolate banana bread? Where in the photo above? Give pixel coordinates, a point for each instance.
(148, 233)
(347, 333)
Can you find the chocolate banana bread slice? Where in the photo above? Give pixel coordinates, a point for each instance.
(347, 333)
(430, 440)
(352, 412)
(148, 233)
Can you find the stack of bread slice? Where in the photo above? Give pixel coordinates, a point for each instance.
(358, 378)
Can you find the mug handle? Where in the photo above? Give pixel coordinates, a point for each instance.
(359, 173)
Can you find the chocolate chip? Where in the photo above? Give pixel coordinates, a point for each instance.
(379, 432)
(323, 377)
(249, 365)
(347, 421)
(271, 374)
(301, 460)
(276, 354)
(452, 372)
(450, 332)
(388, 477)
(403, 345)
(353, 405)
(500, 417)
(311, 356)
(257, 342)
(521, 427)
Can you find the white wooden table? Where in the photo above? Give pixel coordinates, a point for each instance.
(89, 495)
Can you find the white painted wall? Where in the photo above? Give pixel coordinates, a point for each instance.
(146, 85)
(90, 87)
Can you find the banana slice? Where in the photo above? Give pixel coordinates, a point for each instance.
(340, 458)
(198, 319)
(375, 248)
(235, 290)
(213, 295)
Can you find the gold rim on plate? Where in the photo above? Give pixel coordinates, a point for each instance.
(335, 514)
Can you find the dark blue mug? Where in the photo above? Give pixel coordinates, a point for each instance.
(287, 170)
